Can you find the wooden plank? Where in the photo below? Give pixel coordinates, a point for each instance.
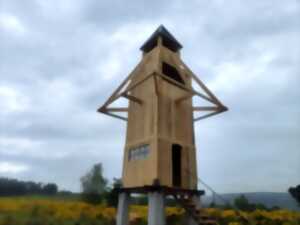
(164, 189)
(119, 88)
(121, 109)
(132, 98)
(179, 85)
(207, 115)
(187, 96)
(155, 84)
(206, 108)
(138, 83)
(124, 94)
(202, 85)
(115, 116)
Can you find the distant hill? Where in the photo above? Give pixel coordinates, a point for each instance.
(269, 199)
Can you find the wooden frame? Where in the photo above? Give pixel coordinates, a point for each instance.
(116, 95)
(213, 110)
(157, 188)
(218, 108)
(161, 114)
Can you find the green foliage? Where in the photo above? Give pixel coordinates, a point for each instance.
(112, 195)
(14, 187)
(242, 203)
(175, 219)
(50, 189)
(61, 212)
(93, 181)
(94, 185)
(295, 192)
(8, 219)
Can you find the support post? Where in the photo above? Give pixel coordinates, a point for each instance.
(197, 202)
(156, 213)
(123, 209)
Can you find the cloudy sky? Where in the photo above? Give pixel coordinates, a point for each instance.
(60, 60)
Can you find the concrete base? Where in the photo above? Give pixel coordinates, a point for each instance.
(189, 219)
(123, 209)
(156, 213)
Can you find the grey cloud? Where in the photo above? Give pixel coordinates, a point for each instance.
(61, 64)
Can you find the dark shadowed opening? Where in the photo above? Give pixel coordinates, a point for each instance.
(171, 72)
(176, 165)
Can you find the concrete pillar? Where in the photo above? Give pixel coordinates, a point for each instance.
(197, 202)
(156, 213)
(123, 209)
(190, 221)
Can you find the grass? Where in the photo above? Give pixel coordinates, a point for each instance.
(70, 210)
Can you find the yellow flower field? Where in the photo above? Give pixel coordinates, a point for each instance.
(35, 211)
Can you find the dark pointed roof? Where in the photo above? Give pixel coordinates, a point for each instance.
(168, 40)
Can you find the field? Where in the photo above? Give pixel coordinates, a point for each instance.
(58, 211)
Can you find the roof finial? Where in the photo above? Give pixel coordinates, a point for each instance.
(169, 40)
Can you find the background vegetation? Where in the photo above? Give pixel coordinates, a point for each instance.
(30, 203)
(60, 211)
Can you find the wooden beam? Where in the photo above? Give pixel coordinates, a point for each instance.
(179, 85)
(121, 109)
(113, 96)
(101, 109)
(206, 108)
(132, 98)
(202, 85)
(187, 96)
(116, 116)
(155, 84)
(163, 189)
(206, 116)
(220, 110)
(131, 87)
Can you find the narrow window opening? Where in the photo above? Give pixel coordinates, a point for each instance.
(171, 72)
(137, 153)
(176, 165)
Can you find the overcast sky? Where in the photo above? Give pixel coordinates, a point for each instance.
(61, 59)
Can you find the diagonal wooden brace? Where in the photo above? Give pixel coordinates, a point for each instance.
(132, 98)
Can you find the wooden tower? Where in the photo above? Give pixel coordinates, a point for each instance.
(160, 146)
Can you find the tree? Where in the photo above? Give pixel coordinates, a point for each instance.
(94, 184)
(242, 203)
(50, 189)
(112, 195)
(295, 192)
(12, 187)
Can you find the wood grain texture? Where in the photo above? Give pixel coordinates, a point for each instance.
(160, 114)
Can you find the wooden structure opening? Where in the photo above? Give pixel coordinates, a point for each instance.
(176, 165)
(171, 72)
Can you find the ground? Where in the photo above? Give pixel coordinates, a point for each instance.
(35, 210)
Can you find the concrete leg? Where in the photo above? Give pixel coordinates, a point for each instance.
(156, 213)
(123, 209)
(197, 201)
(189, 219)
